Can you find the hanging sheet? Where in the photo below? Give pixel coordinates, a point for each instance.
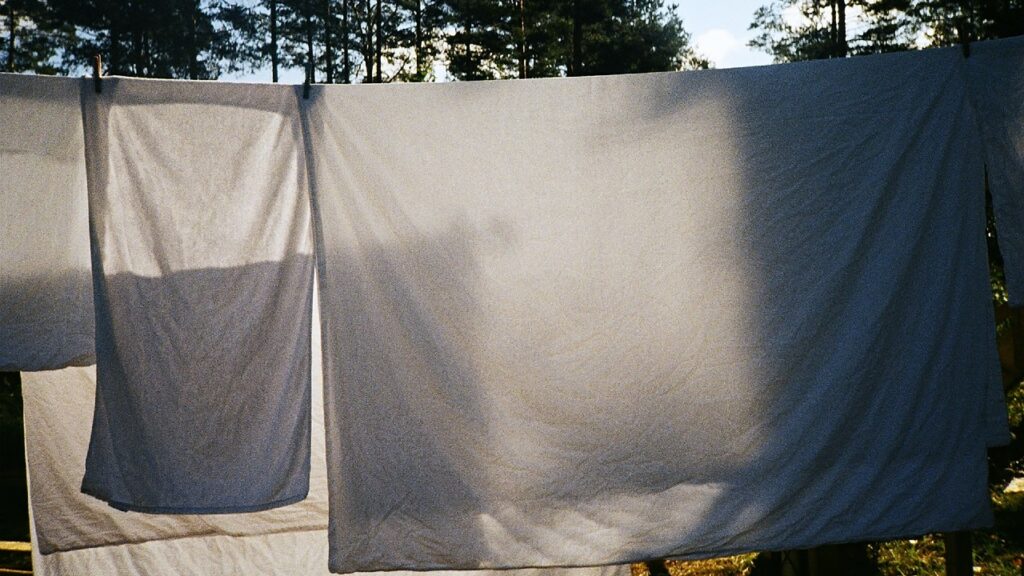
(58, 415)
(203, 268)
(996, 72)
(46, 315)
(75, 534)
(586, 321)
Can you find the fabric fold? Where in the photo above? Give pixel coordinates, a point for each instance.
(996, 79)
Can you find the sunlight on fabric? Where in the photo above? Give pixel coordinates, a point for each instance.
(594, 302)
(524, 297)
(613, 318)
(171, 163)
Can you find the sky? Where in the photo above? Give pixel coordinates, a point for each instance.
(718, 29)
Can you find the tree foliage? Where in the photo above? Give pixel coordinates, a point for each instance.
(793, 30)
(947, 22)
(27, 29)
(345, 40)
(174, 38)
(816, 35)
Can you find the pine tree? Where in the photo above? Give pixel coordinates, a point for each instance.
(173, 39)
(957, 21)
(566, 37)
(886, 25)
(28, 37)
(822, 34)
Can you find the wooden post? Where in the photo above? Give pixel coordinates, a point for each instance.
(829, 560)
(657, 567)
(959, 556)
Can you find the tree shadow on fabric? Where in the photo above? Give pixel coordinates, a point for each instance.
(837, 233)
(406, 321)
(730, 318)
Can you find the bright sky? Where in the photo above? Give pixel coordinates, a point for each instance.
(718, 28)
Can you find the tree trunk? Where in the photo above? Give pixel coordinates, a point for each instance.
(137, 51)
(833, 34)
(273, 41)
(12, 26)
(137, 41)
(522, 38)
(576, 66)
(193, 49)
(346, 63)
(310, 62)
(138, 26)
(148, 67)
(328, 45)
(841, 28)
(380, 41)
(368, 50)
(115, 63)
(419, 39)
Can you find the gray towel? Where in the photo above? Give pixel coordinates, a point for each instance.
(203, 274)
(46, 316)
(59, 408)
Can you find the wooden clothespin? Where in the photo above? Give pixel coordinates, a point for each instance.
(97, 74)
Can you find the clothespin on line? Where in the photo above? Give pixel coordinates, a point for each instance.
(97, 74)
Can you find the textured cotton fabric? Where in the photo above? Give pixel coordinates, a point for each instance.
(282, 554)
(58, 415)
(585, 321)
(203, 271)
(46, 315)
(996, 70)
(74, 534)
(287, 554)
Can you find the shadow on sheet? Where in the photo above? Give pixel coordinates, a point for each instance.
(665, 315)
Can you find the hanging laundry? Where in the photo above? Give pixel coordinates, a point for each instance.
(59, 408)
(203, 267)
(996, 73)
(46, 315)
(586, 321)
(75, 534)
